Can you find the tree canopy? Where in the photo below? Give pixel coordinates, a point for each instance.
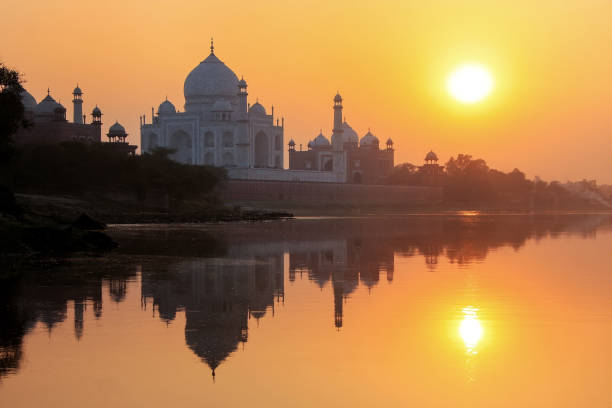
(11, 110)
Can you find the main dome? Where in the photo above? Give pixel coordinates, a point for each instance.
(211, 78)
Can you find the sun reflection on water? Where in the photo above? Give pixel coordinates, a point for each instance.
(470, 329)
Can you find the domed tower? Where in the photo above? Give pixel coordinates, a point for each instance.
(116, 133)
(96, 120)
(77, 102)
(96, 116)
(389, 144)
(431, 158)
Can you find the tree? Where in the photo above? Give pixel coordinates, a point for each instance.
(11, 110)
(405, 173)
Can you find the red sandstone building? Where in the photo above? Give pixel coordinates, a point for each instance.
(49, 123)
(360, 161)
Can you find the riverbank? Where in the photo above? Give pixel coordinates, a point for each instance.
(67, 207)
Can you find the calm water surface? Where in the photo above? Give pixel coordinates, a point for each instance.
(444, 311)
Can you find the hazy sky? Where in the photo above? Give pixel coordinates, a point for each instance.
(549, 115)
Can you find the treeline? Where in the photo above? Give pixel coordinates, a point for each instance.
(74, 167)
(466, 180)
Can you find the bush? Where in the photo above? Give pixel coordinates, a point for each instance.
(74, 167)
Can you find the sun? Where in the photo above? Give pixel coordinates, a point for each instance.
(470, 83)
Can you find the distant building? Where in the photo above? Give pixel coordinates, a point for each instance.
(49, 124)
(116, 136)
(220, 128)
(431, 173)
(355, 160)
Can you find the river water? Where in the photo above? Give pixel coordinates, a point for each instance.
(446, 310)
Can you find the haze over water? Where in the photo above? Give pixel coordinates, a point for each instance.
(453, 310)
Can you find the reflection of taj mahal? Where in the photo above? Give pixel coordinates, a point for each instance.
(220, 128)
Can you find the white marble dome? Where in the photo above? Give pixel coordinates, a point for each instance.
(350, 136)
(257, 109)
(166, 107)
(320, 140)
(29, 103)
(369, 140)
(222, 106)
(211, 78)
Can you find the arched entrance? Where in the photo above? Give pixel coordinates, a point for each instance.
(153, 142)
(181, 143)
(261, 150)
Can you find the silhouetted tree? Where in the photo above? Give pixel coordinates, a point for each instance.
(405, 174)
(11, 110)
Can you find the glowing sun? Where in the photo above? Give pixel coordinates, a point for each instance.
(470, 83)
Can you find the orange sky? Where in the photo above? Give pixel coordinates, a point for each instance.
(549, 115)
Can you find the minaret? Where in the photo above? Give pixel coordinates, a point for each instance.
(338, 153)
(337, 140)
(242, 141)
(96, 120)
(77, 102)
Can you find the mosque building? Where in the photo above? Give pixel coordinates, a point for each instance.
(355, 160)
(49, 124)
(219, 127)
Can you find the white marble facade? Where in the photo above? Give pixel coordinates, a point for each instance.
(218, 127)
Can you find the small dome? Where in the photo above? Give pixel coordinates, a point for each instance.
(77, 91)
(166, 107)
(29, 103)
(46, 106)
(116, 129)
(60, 108)
(368, 140)
(242, 83)
(291, 143)
(257, 109)
(349, 133)
(96, 111)
(337, 98)
(222, 106)
(320, 140)
(389, 141)
(431, 156)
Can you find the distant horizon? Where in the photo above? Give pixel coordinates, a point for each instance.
(549, 112)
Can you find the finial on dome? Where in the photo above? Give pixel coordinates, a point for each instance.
(212, 46)
(48, 92)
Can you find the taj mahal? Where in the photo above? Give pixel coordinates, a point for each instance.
(219, 127)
